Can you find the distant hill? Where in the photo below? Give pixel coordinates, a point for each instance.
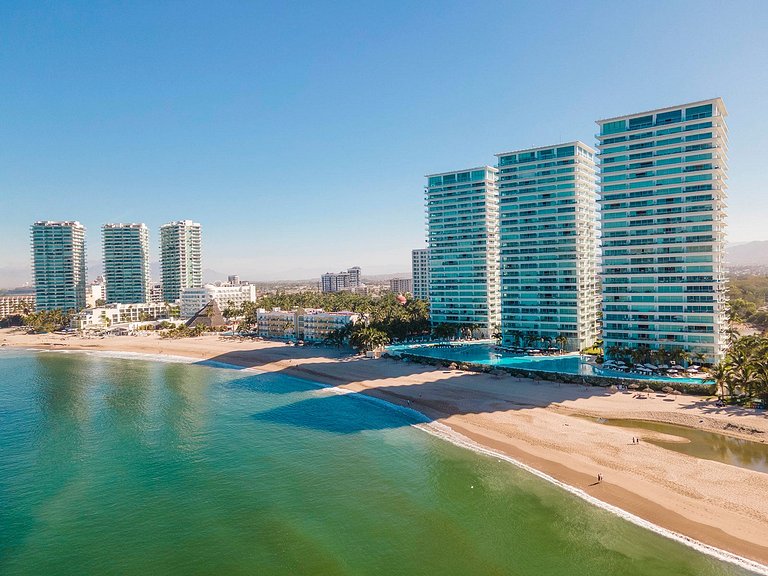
(748, 253)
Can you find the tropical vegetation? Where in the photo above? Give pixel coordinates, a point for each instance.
(47, 320)
(396, 319)
(743, 373)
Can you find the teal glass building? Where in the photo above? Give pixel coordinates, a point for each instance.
(462, 234)
(663, 192)
(126, 263)
(548, 246)
(180, 258)
(58, 263)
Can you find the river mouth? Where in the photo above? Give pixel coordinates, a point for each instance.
(752, 455)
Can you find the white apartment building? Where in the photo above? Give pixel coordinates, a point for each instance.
(309, 324)
(420, 273)
(462, 230)
(126, 263)
(548, 237)
(194, 299)
(11, 305)
(401, 285)
(663, 192)
(111, 315)
(58, 263)
(180, 258)
(95, 292)
(316, 325)
(337, 282)
(276, 323)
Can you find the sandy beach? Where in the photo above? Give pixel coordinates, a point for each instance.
(540, 424)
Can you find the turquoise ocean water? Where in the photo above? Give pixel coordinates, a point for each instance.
(116, 466)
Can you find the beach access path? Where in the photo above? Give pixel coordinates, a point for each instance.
(536, 423)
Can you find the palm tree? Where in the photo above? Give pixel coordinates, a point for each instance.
(722, 376)
(530, 337)
(517, 335)
(562, 341)
(615, 351)
(365, 339)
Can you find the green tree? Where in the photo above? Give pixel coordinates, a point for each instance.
(562, 341)
(368, 338)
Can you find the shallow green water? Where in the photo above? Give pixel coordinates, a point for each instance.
(703, 444)
(136, 467)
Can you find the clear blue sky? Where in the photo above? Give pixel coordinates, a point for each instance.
(299, 135)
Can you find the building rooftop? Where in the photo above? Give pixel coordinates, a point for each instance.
(534, 149)
(486, 167)
(717, 99)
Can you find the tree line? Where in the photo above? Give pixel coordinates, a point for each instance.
(743, 373)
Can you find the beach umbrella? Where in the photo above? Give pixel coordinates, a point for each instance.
(676, 392)
(692, 369)
(633, 386)
(668, 389)
(647, 389)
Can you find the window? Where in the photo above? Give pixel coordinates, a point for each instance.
(696, 112)
(640, 122)
(669, 117)
(614, 127)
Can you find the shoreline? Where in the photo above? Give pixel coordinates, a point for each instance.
(732, 528)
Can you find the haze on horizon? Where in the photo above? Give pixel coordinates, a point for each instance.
(299, 136)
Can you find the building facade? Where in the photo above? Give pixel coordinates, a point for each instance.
(663, 192)
(309, 324)
(115, 314)
(126, 263)
(13, 304)
(401, 285)
(548, 246)
(58, 263)
(276, 323)
(462, 231)
(420, 273)
(180, 258)
(193, 299)
(338, 282)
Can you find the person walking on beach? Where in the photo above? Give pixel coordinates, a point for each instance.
(599, 478)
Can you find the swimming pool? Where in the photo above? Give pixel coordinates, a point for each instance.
(485, 353)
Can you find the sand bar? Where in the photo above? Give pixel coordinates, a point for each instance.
(533, 422)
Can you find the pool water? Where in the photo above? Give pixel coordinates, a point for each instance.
(486, 353)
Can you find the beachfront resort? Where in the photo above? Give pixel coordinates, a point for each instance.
(583, 284)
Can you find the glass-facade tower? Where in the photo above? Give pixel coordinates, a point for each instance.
(663, 192)
(126, 263)
(180, 258)
(58, 262)
(462, 232)
(548, 246)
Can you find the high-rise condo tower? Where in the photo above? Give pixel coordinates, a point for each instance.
(462, 230)
(180, 258)
(420, 273)
(58, 261)
(548, 246)
(126, 263)
(663, 191)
